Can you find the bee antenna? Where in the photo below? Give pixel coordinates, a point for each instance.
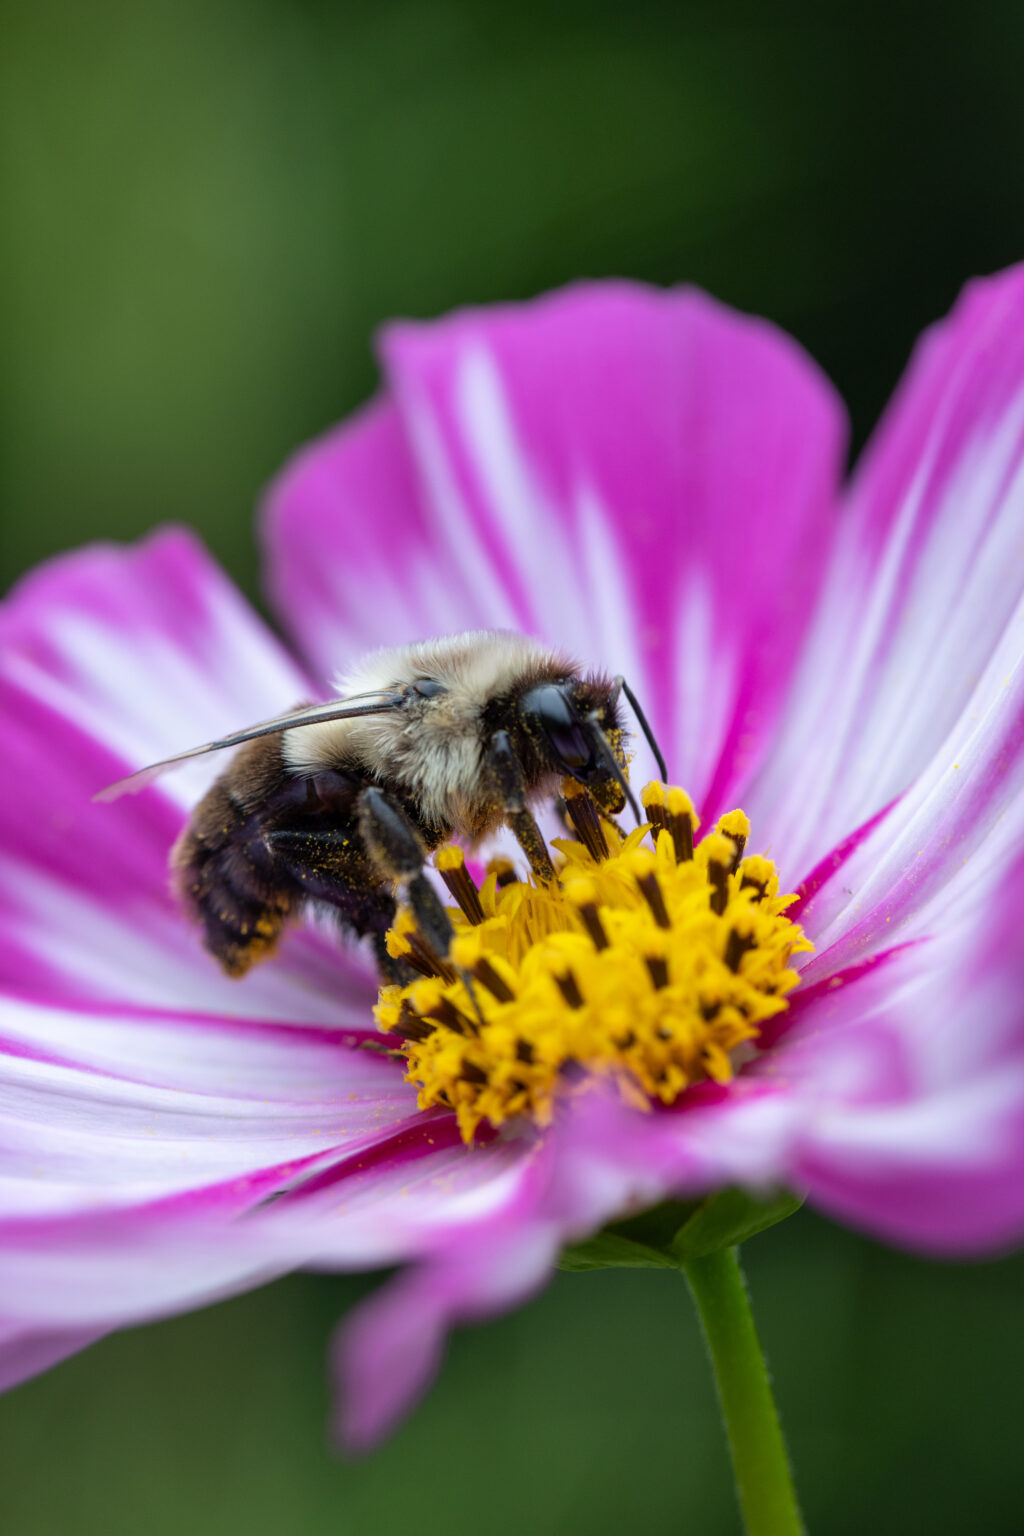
(605, 752)
(620, 682)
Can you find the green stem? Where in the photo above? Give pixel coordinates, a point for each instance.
(764, 1482)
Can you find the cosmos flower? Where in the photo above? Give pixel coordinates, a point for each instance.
(652, 482)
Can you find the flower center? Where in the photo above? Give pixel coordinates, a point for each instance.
(653, 965)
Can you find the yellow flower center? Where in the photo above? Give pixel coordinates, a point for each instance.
(655, 965)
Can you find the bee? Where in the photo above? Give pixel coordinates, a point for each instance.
(337, 804)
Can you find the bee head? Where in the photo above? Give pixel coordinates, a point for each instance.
(578, 727)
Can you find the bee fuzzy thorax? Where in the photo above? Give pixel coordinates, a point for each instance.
(433, 749)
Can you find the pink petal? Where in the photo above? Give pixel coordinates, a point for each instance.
(917, 1126)
(100, 1107)
(388, 1354)
(644, 478)
(26, 1353)
(912, 685)
(390, 1196)
(110, 658)
(601, 1162)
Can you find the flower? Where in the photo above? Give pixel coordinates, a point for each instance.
(651, 481)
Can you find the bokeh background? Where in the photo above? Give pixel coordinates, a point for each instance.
(208, 207)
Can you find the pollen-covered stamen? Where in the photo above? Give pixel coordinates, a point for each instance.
(583, 895)
(567, 984)
(409, 1025)
(736, 827)
(469, 957)
(720, 853)
(431, 1002)
(652, 967)
(655, 953)
(736, 947)
(670, 807)
(583, 814)
(758, 876)
(643, 864)
(450, 863)
(405, 942)
(503, 870)
(653, 802)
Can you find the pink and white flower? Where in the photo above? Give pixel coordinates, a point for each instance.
(652, 482)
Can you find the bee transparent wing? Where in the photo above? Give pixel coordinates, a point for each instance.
(310, 714)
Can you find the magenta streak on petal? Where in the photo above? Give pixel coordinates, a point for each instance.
(163, 591)
(829, 866)
(429, 1133)
(808, 1000)
(944, 822)
(52, 822)
(651, 443)
(217, 1200)
(350, 559)
(259, 1028)
(682, 422)
(923, 586)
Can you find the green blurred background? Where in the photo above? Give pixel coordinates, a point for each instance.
(209, 205)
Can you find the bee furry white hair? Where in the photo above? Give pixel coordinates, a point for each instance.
(434, 749)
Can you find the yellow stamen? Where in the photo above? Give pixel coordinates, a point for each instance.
(650, 965)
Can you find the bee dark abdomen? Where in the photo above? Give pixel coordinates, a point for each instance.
(222, 868)
(262, 843)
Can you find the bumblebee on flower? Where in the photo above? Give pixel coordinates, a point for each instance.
(651, 483)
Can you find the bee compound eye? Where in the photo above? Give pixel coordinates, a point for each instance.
(561, 725)
(427, 687)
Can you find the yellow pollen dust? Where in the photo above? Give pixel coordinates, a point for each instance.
(651, 958)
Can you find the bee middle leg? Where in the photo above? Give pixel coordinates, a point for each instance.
(507, 776)
(397, 850)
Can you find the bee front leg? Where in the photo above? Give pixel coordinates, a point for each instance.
(508, 778)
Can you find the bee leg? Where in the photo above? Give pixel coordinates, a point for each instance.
(393, 973)
(398, 852)
(326, 864)
(508, 777)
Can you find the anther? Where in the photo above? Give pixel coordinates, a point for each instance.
(735, 825)
(488, 977)
(756, 874)
(643, 869)
(583, 896)
(657, 967)
(653, 801)
(444, 1011)
(505, 871)
(569, 987)
(410, 1025)
(584, 816)
(736, 946)
(423, 959)
(719, 855)
(450, 863)
(681, 820)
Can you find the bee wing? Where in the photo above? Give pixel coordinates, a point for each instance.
(310, 714)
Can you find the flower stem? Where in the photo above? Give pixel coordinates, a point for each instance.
(764, 1482)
